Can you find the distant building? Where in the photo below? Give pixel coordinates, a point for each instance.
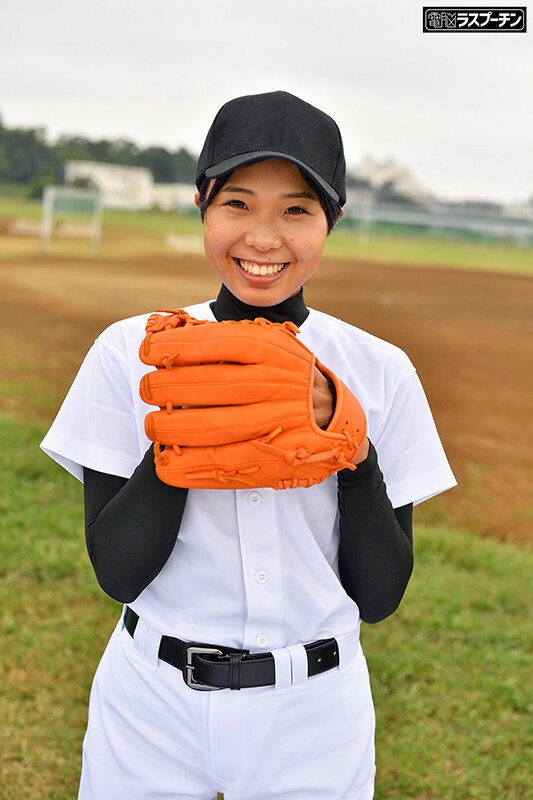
(522, 210)
(173, 196)
(480, 207)
(120, 186)
(392, 176)
(131, 188)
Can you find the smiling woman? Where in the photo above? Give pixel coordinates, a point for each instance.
(262, 244)
(255, 592)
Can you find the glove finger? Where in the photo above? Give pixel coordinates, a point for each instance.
(227, 467)
(251, 464)
(222, 384)
(224, 424)
(211, 343)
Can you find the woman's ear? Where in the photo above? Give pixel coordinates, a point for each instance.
(197, 200)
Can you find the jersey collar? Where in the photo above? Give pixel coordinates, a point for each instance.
(227, 306)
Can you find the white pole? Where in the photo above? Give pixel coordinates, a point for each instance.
(47, 217)
(96, 224)
(367, 208)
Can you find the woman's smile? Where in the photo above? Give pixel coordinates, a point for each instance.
(260, 272)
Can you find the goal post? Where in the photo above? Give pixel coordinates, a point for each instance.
(69, 202)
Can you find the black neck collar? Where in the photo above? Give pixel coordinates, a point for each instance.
(227, 306)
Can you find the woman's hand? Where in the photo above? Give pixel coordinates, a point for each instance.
(323, 407)
(322, 400)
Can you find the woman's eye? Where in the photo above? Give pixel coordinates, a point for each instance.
(296, 210)
(235, 204)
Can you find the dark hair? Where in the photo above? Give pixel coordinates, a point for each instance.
(331, 209)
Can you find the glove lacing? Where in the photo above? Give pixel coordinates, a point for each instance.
(334, 455)
(220, 475)
(177, 319)
(330, 457)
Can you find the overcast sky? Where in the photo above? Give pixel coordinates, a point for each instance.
(456, 109)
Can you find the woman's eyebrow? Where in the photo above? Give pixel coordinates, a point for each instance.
(232, 188)
(306, 195)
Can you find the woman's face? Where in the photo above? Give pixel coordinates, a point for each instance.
(264, 232)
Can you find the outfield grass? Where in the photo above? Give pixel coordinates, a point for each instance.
(13, 206)
(450, 670)
(128, 233)
(424, 251)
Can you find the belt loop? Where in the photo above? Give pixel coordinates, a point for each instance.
(349, 646)
(283, 670)
(235, 670)
(146, 642)
(299, 665)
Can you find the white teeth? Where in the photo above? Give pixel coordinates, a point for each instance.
(255, 269)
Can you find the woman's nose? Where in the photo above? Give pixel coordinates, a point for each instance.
(263, 236)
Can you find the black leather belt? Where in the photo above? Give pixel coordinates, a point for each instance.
(212, 667)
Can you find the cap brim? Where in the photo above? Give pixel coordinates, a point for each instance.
(231, 164)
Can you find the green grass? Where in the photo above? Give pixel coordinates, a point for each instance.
(17, 206)
(134, 232)
(451, 674)
(157, 221)
(450, 670)
(149, 220)
(53, 621)
(425, 251)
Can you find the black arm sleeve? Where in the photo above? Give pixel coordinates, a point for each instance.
(131, 527)
(376, 545)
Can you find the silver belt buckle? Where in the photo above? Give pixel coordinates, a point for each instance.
(189, 668)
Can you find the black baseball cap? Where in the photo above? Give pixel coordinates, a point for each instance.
(275, 125)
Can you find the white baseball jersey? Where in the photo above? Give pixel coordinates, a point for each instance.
(254, 569)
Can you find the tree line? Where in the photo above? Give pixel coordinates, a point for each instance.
(26, 157)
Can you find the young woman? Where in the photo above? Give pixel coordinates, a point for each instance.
(275, 581)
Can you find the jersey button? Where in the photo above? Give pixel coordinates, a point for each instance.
(254, 498)
(261, 576)
(262, 640)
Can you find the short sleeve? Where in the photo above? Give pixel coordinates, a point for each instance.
(409, 449)
(96, 424)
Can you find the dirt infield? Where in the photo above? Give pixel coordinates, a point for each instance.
(468, 333)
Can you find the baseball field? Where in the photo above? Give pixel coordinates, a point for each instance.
(450, 668)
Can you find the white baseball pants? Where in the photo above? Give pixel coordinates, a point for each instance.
(151, 737)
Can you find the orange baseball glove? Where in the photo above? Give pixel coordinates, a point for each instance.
(236, 406)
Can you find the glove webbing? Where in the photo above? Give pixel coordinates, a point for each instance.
(177, 319)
